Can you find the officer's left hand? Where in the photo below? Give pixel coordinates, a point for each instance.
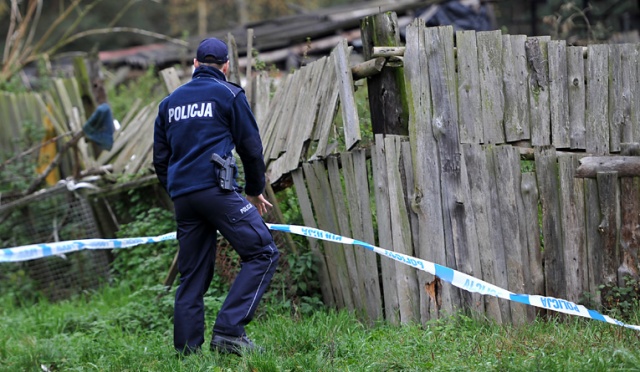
(260, 203)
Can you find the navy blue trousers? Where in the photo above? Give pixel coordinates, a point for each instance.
(199, 216)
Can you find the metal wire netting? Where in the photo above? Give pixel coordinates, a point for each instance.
(55, 215)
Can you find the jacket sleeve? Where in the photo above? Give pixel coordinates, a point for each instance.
(246, 138)
(161, 149)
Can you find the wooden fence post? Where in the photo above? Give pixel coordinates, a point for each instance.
(387, 94)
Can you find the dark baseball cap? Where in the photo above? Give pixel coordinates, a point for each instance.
(212, 50)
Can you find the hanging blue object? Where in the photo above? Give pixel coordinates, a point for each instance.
(99, 128)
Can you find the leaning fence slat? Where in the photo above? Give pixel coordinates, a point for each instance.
(485, 228)
(573, 234)
(609, 196)
(575, 81)
(314, 244)
(597, 95)
(559, 92)
(490, 66)
(361, 226)
(340, 56)
(428, 206)
(269, 132)
(537, 58)
(546, 172)
(326, 114)
(516, 103)
(355, 299)
(507, 165)
(406, 278)
(287, 110)
(324, 215)
(469, 87)
(387, 267)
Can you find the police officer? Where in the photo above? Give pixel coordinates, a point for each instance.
(203, 117)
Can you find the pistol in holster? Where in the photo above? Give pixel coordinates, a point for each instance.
(225, 170)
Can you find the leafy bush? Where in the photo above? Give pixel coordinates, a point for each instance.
(145, 264)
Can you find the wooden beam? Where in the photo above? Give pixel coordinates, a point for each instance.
(626, 166)
(368, 68)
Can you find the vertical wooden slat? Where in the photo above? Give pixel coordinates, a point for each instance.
(537, 57)
(617, 97)
(326, 114)
(559, 92)
(516, 103)
(361, 226)
(440, 58)
(307, 216)
(406, 279)
(340, 56)
(387, 267)
(507, 163)
(488, 234)
(609, 196)
(490, 67)
(355, 299)
(629, 78)
(597, 98)
(573, 234)
(594, 238)
(630, 230)
(428, 202)
(547, 174)
(530, 216)
(575, 80)
(372, 278)
(322, 205)
(469, 88)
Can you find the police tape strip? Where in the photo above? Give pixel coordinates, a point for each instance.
(458, 279)
(34, 251)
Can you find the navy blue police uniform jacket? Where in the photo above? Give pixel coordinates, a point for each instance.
(204, 116)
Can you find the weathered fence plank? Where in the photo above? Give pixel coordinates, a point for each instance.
(594, 238)
(355, 299)
(468, 88)
(618, 108)
(309, 220)
(428, 202)
(387, 267)
(406, 278)
(487, 231)
(609, 196)
(575, 80)
(507, 165)
(547, 174)
(537, 57)
(573, 230)
(630, 230)
(326, 113)
(490, 67)
(350, 120)
(597, 95)
(357, 185)
(530, 216)
(456, 205)
(516, 100)
(559, 91)
(323, 208)
(630, 91)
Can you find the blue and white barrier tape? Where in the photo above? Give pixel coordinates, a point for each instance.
(34, 251)
(458, 279)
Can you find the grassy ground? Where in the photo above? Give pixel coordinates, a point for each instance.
(121, 330)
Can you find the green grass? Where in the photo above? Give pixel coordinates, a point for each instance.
(118, 329)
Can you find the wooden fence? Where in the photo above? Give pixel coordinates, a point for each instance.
(454, 191)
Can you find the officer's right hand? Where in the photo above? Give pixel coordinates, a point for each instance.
(260, 203)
